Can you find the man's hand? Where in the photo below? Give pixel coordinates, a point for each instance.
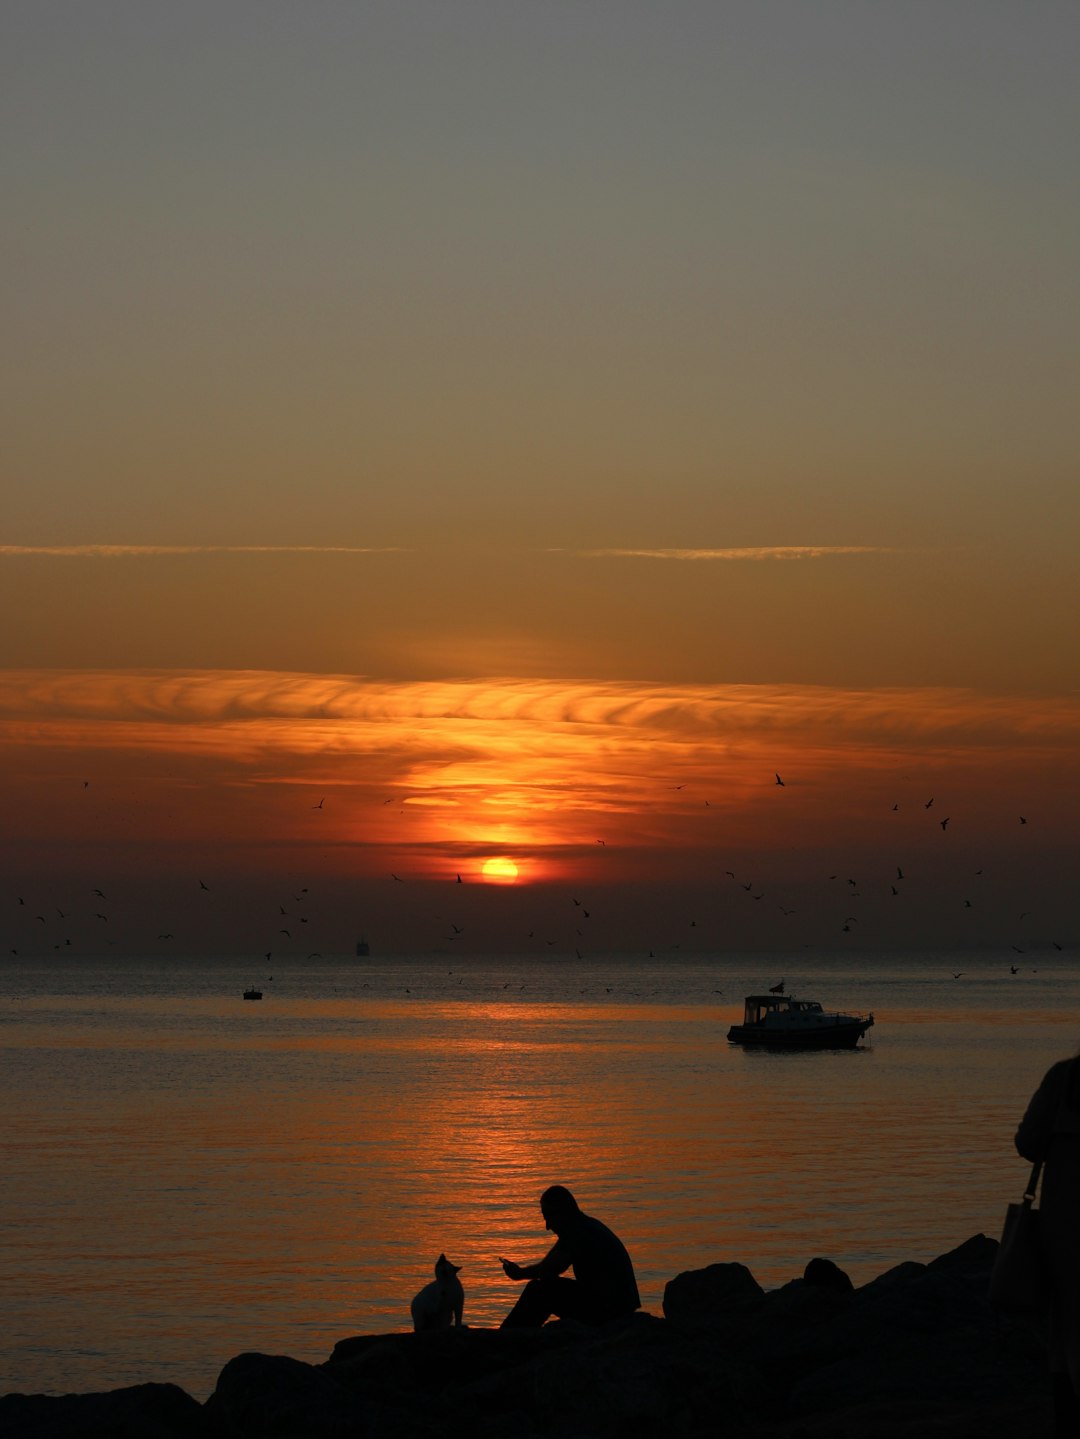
(511, 1270)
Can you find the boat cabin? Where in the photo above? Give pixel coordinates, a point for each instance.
(759, 1006)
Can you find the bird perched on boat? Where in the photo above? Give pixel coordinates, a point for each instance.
(777, 988)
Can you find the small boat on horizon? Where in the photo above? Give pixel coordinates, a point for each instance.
(363, 949)
(253, 993)
(780, 1021)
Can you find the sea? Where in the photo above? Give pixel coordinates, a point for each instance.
(186, 1175)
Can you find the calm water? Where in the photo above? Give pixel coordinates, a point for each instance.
(186, 1176)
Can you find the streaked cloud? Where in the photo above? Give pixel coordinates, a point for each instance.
(139, 551)
(693, 712)
(541, 768)
(743, 552)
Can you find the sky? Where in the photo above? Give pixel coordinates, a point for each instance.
(629, 447)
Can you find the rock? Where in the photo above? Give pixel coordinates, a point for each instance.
(143, 1411)
(977, 1253)
(824, 1274)
(916, 1352)
(270, 1396)
(705, 1296)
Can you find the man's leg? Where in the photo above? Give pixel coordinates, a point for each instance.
(541, 1298)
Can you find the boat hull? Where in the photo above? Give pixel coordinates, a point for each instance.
(826, 1036)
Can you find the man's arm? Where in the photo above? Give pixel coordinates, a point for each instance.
(554, 1262)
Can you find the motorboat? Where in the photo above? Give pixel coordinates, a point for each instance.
(780, 1021)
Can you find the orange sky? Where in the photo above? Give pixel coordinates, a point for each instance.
(517, 428)
(656, 806)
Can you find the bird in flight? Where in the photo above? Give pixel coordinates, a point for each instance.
(203, 884)
(944, 823)
(779, 781)
(96, 891)
(397, 877)
(320, 804)
(929, 802)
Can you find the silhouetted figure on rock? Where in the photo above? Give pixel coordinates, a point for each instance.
(1050, 1131)
(603, 1286)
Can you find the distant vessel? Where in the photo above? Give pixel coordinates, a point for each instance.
(780, 1021)
(253, 994)
(363, 949)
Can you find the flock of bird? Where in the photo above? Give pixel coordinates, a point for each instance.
(851, 919)
(287, 932)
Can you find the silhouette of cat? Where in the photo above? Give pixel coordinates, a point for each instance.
(442, 1300)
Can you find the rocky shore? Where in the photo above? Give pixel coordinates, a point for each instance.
(917, 1351)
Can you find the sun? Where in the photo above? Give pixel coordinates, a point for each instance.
(499, 870)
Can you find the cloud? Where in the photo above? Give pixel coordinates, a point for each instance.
(287, 704)
(139, 551)
(744, 552)
(536, 766)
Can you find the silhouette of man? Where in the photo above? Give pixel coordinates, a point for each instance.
(603, 1286)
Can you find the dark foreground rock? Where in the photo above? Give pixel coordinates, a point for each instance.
(916, 1352)
(145, 1411)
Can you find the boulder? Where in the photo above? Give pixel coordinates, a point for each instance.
(824, 1274)
(704, 1297)
(143, 1411)
(270, 1396)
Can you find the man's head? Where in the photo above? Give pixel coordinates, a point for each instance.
(558, 1206)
